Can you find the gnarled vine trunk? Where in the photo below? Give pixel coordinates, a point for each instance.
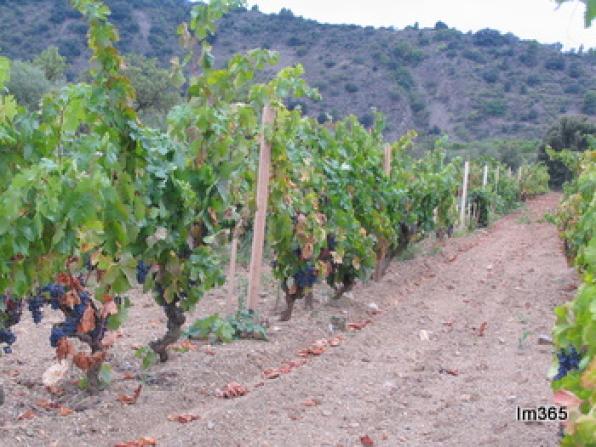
(176, 320)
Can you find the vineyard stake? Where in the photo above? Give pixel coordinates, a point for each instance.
(258, 241)
(464, 194)
(485, 176)
(387, 161)
(497, 179)
(232, 301)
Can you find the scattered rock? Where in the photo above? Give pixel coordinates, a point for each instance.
(210, 425)
(545, 340)
(424, 336)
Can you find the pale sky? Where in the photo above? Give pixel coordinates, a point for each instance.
(527, 19)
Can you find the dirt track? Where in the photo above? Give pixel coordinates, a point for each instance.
(482, 300)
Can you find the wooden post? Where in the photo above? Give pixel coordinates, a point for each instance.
(485, 176)
(232, 301)
(464, 195)
(509, 172)
(387, 161)
(258, 240)
(497, 179)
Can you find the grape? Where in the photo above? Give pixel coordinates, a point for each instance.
(306, 277)
(568, 361)
(7, 350)
(6, 336)
(56, 292)
(331, 243)
(36, 308)
(142, 271)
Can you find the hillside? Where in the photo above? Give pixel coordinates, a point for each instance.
(471, 86)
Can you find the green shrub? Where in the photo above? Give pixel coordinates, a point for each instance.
(28, 84)
(589, 106)
(351, 88)
(493, 107)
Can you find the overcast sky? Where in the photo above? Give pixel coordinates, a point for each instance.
(527, 19)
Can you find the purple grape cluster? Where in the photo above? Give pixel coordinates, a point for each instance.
(13, 309)
(6, 336)
(35, 305)
(68, 328)
(306, 277)
(142, 271)
(569, 360)
(56, 291)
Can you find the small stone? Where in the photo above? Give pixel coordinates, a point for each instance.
(511, 398)
(501, 340)
(374, 307)
(326, 413)
(489, 267)
(424, 336)
(210, 425)
(545, 340)
(354, 425)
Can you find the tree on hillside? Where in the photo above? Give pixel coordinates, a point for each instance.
(52, 63)
(156, 92)
(28, 84)
(572, 133)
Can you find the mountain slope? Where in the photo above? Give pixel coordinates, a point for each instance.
(471, 86)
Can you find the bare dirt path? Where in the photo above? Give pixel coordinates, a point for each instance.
(445, 363)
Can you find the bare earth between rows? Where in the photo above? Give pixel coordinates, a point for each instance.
(451, 354)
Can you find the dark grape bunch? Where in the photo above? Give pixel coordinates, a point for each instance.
(68, 328)
(13, 309)
(142, 271)
(568, 361)
(35, 305)
(306, 277)
(6, 336)
(56, 291)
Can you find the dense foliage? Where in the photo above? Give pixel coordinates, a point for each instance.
(94, 201)
(571, 133)
(574, 371)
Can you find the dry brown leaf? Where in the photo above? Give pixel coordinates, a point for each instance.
(271, 373)
(85, 361)
(109, 339)
(359, 325)
(46, 404)
(87, 322)
(366, 441)
(335, 341)
(311, 402)
(183, 418)
(70, 299)
(65, 349)
(128, 376)
(29, 414)
(132, 399)
(307, 251)
(482, 329)
(450, 371)
(567, 399)
(109, 308)
(145, 441)
(65, 411)
(233, 389)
